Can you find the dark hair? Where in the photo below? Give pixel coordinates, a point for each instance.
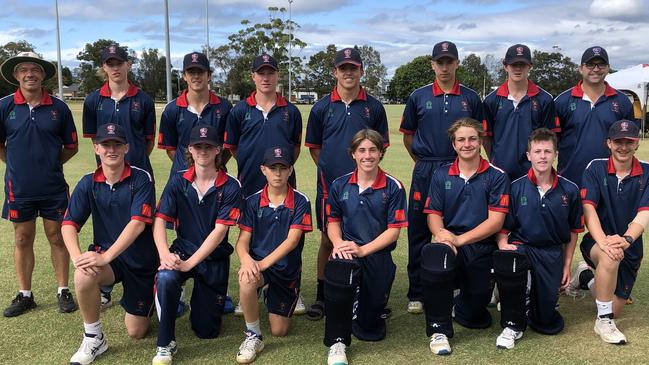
(369, 134)
(218, 161)
(465, 122)
(542, 134)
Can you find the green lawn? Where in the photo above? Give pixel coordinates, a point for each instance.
(45, 337)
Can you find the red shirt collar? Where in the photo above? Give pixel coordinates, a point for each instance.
(362, 95)
(454, 170)
(182, 102)
(46, 99)
(289, 201)
(104, 90)
(379, 183)
(578, 92)
(437, 91)
(532, 89)
(250, 100)
(532, 176)
(636, 168)
(221, 176)
(99, 176)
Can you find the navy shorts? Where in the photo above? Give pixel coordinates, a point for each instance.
(138, 288)
(627, 272)
(25, 211)
(282, 293)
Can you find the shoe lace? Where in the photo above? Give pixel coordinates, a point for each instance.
(90, 344)
(509, 334)
(250, 343)
(337, 349)
(438, 337)
(608, 324)
(165, 350)
(65, 294)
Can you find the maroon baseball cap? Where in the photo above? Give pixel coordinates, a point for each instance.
(445, 49)
(264, 60)
(278, 155)
(114, 51)
(624, 129)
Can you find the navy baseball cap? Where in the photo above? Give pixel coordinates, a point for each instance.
(114, 51)
(518, 53)
(624, 129)
(348, 55)
(110, 132)
(445, 49)
(594, 52)
(196, 60)
(204, 133)
(264, 60)
(278, 155)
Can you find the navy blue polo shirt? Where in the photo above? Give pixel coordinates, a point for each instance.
(251, 134)
(465, 204)
(510, 126)
(584, 129)
(332, 125)
(135, 112)
(543, 221)
(430, 112)
(177, 122)
(270, 226)
(112, 208)
(616, 203)
(33, 140)
(364, 216)
(193, 218)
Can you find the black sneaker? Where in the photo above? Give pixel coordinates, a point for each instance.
(20, 305)
(66, 303)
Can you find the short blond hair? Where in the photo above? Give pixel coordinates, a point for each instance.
(465, 122)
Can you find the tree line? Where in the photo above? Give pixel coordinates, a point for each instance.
(231, 62)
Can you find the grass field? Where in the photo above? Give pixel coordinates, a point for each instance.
(44, 336)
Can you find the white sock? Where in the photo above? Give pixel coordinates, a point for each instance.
(254, 327)
(604, 308)
(60, 289)
(93, 329)
(26, 293)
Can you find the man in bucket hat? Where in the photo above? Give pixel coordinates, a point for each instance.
(37, 135)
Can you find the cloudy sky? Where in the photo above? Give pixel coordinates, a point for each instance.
(400, 30)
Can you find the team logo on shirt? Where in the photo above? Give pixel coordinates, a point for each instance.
(247, 117)
(12, 115)
(306, 220)
(345, 195)
(504, 200)
(146, 210)
(399, 215)
(260, 213)
(429, 104)
(615, 107)
(572, 106)
(135, 106)
(234, 214)
(54, 115)
(203, 132)
(367, 112)
(447, 185)
(523, 200)
(218, 114)
(465, 106)
(535, 105)
(286, 115)
(564, 200)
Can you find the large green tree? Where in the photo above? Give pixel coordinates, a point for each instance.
(375, 72)
(9, 50)
(271, 37)
(473, 73)
(410, 77)
(554, 72)
(90, 58)
(319, 71)
(151, 73)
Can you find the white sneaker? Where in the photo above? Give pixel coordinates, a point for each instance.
(507, 338)
(164, 354)
(573, 289)
(439, 344)
(608, 332)
(249, 348)
(337, 354)
(106, 300)
(415, 307)
(300, 308)
(90, 348)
